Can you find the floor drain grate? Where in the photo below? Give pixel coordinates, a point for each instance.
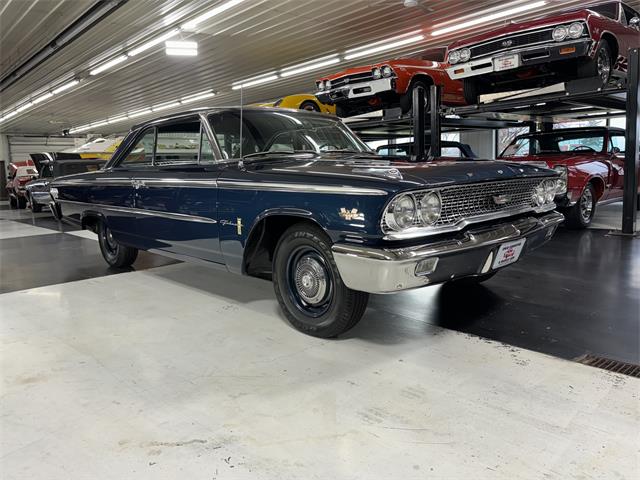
(610, 365)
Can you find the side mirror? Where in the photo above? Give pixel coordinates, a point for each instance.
(615, 150)
(634, 22)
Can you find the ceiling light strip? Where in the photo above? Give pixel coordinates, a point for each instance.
(309, 66)
(384, 47)
(153, 43)
(191, 24)
(108, 65)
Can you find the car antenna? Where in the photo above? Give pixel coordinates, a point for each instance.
(240, 162)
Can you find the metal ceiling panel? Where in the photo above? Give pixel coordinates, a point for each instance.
(257, 36)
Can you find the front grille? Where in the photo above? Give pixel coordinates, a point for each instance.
(349, 79)
(517, 41)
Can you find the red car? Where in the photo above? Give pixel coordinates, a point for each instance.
(590, 160)
(590, 42)
(387, 84)
(19, 174)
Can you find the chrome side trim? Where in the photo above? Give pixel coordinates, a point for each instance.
(299, 188)
(129, 182)
(137, 211)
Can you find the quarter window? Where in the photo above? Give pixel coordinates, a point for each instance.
(142, 152)
(618, 141)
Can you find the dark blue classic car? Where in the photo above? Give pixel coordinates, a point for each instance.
(296, 197)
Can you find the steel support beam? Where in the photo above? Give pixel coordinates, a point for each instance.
(630, 199)
(419, 123)
(435, 96)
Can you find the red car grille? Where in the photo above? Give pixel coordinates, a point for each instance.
(349, 79)
(512, 41)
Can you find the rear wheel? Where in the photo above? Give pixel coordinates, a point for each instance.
(115, 254)
(310, 106)
(406, 100)
(581, 214)
(308, 285)
(601, 65)
(342, 111)
(471, 91)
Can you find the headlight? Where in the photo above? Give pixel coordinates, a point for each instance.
(327, 85)
(387, 71)
(465, 55)
(454, 57)
(376, 73)
(401, 213)
(321, 85)
(560, 33)
(561, 183)
(545, 193)
(576, 30)
(430, 207)
(54, 193)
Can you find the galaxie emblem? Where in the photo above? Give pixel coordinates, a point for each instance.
(501, 199)
(352, 214)
(507, 43)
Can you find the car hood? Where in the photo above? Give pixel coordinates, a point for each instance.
(396, 64)
(388, 174)
(556, 159)
(516, 27)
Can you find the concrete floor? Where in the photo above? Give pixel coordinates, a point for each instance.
(180, 372)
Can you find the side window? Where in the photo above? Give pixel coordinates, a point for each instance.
(206, 152)
(142, 152)
(47, 171)
(629, 14)
(226, 126)
(608, 10)
(178, 144)
(451, 152)
(617, 141)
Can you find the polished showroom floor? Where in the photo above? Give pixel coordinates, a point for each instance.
(171, 370)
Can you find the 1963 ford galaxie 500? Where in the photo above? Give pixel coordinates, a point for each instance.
(296, 197)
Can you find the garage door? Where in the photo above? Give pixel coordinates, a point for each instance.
(21, 147)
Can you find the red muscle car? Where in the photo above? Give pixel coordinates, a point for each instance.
(385, 85)
(18, 175)
(589, 42)
(590, 161)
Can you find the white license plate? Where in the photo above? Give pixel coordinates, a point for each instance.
(507, 62)
(508, 253)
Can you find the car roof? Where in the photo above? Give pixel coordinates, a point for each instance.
(575, 129)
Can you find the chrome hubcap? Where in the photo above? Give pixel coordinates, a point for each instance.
(112, 245)
(586, 205)
(311, 280)
(604, 65)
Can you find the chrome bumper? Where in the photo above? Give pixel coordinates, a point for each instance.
(356, 90)
(393, 270)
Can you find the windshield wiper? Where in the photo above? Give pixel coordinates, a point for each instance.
(288, 152)
(356, 152)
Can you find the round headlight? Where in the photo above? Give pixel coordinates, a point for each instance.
(576, 30)
(376, 73)
(560, 33)
(402, 213)
(327, 85)
(386, 71)
(549, 191)
(465, 55)
(561, 183)
(430, 208)
(321, 85)
(538, 195)
(454, 57)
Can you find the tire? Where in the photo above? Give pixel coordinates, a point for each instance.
(310, 106)
(471, 91)
(406, 100)
(13, 202)
(114, 253)
(342, 111)
(22, 202)
(601, 65)
(470, 281)
(35, 206)
(581, 214)
(308, 285)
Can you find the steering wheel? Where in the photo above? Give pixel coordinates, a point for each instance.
(327, 147)
(582, 148)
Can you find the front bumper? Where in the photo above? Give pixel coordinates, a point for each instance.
(393, 270)
(357, 90)
(525, 57)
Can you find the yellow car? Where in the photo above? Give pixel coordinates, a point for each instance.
(302, 101)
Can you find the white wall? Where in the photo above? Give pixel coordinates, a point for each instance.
(483, 142)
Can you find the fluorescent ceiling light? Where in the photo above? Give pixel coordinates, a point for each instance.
(42, 98)
(310, 65)
(7, 116)
(65, 86)
(117, 119)
(191, 24)
(382, 46)
(159, 108)
(108, 65)
(153, 43)
(24, 107)
(198, 96)
(484, 18)
(181, 52)
(250, 82)
(182, 48)
(140, 113)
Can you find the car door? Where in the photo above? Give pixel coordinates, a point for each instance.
(617, 153)
(176, 196)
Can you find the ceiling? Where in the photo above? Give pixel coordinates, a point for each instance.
(254, 37)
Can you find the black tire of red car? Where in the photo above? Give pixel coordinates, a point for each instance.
(342, 111)
(13, 202)
(601, 65)
(114, 253)
(470, 281)
(308, 285)
(310, 105)
(581, 214)
(406, 100)
(471, 91)
(22, 202)
(35, 206)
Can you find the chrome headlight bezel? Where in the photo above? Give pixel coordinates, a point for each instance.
(376, 73)
(387, 71)
(394, 210)
(576, 30)
(560, 33)
(430, 209)
(465, 55)
(327, 85)
(321, 86)
(562, 183)
(545, 192)
(426, 208)
(454, 57)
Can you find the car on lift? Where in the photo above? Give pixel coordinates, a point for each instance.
(19, 173)
(589, 160)
(52, 166)
(301, 101)
(298, 198)
(449, 149)
(387, 84)
(591, 41)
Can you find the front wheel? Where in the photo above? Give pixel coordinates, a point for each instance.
(310, 106)
(342, 111)
(406, 100)
(581, 214)
(115, 254)
(471, 91)
(22, 202)
(308, 285)
(600, 66)
(35, 206)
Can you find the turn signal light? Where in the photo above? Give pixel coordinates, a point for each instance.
(567, 51)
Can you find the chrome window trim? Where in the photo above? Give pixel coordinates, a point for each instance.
(138, 211)
(299, 188)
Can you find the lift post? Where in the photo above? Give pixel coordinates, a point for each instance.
(419, 122)
(630, 199)
(435, 98)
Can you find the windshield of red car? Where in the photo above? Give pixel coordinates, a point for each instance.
(269, 132)
(554, 143)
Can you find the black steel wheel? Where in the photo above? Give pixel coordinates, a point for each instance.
(115, 254)
(581, 214)
(308, 285)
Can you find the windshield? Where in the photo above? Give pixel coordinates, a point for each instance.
(550, 143)
(266, 132)
(72, 168)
